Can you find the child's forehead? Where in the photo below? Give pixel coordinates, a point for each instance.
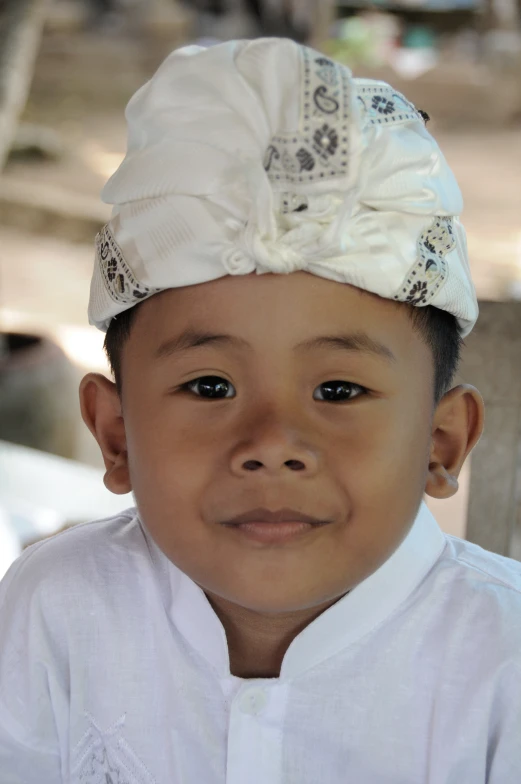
(270, 295)
(293, 311)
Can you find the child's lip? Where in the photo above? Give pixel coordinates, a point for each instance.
(286, 515)
(274, 533)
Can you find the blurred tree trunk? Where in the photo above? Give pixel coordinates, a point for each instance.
(21, 23)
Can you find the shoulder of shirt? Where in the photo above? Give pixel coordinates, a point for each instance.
(481, 593)
(484, 566)
(85, 551)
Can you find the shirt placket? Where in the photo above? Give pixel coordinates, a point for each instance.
(255, 734)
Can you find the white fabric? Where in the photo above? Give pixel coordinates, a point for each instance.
(114, 669)
(10, 546)
(266, 156)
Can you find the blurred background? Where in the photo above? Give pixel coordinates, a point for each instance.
(67, 70)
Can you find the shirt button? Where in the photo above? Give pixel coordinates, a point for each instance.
(253, 701)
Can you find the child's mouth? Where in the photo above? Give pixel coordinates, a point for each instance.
(275, 532)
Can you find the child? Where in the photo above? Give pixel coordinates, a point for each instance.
(280, 607)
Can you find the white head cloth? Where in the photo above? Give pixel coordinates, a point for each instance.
(267, 156)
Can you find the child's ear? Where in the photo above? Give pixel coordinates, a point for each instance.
(457, 427)
(101, 412)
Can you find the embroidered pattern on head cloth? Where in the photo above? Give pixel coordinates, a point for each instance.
(119, 280)
(429, 272)
(319, 151)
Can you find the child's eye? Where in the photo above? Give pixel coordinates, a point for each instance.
(215, 387)
(210, 387)
(339, 391)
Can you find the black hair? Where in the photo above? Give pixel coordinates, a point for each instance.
(438, 328)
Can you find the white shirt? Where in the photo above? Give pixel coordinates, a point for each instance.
(10, 547)
(114, 669)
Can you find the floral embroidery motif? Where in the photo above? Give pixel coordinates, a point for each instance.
(382, 105)
(319, 149)
(119, 279)
(429, 273)
(325, 141)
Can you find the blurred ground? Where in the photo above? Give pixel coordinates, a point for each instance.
(49, 210)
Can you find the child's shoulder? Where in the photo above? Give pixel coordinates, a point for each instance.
(484, 567)
(478, 593)
(485, 592)
(83, 554)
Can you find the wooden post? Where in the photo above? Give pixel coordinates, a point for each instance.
(325, 15)
(21, 23)
(491, 361)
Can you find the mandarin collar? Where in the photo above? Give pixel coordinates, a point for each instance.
(341, 625)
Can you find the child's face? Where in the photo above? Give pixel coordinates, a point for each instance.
(362, 463)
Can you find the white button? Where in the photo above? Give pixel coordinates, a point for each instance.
(253, 701)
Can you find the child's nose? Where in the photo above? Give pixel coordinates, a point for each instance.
(275, 447)
(254, 465)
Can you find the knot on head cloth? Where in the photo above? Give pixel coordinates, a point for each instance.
(267, 156)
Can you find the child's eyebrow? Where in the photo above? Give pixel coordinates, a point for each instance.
(355, 342)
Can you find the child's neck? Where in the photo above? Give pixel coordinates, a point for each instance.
(255, 666)
(257, 643)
